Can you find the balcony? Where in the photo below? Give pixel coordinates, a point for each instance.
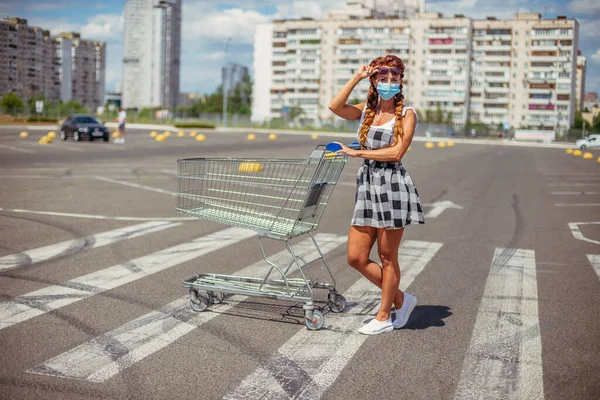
(499, 100)
(493, 89)
(497, 79)
(540, 102)
(492, 37)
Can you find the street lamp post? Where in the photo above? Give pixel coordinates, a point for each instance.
(225, 79)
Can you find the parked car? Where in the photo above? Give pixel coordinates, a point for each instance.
(81, 126)
(588, 142)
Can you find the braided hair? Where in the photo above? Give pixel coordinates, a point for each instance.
(373, 99)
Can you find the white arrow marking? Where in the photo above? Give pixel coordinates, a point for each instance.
(439, 207)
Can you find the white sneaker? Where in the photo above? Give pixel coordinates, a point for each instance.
(376, 327)
(403, 314)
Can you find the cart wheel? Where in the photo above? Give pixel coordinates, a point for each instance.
(198, 302)
(215, 297)
(337, 305)
(316, 322)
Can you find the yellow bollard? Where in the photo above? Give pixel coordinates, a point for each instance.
(272, 136)
(429, 145)
(181, 133)
(577, 153)
(200, 137)
(314, 137)
(588, 156)
(43, 140)
(51, 134)
(193, 133)
(153, 134)
(441, 144)
(407, 150)
(598, 159)
(23, 134)
(161, 138)
(115, 134)
(166, 133)
(251, 136)
(569, 151)
(450, 143)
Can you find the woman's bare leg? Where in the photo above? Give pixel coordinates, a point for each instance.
(360, 243)
(388, 242)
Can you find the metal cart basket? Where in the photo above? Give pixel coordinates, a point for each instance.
(275, 197)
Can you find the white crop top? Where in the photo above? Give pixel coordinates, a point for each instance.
(391, 121)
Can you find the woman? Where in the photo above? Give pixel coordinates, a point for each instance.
(386, 198)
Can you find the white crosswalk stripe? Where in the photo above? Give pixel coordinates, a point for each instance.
(307, 364)
(51, 298)
(107, 355)
(504, 359)
(68, 247)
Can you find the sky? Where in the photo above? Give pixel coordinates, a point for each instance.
(207, 24)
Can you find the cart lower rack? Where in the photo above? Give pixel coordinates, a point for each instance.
(277, 198)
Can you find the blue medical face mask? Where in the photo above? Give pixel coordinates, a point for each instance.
(388, 90)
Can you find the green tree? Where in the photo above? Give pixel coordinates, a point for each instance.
(596, 123)
(12, 103)
(449, 118)
(31, 104)
(429, 116)
(579, 121)
(439, 115)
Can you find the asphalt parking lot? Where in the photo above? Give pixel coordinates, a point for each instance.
(93, 257)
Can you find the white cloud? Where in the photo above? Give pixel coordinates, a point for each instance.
(596, 56)
(199, 25)
(104, 27)
(306, 8)
(587, 7)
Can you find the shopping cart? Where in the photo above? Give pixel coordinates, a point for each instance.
(278, 199)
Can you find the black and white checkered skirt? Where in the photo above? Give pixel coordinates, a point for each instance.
(386, 197)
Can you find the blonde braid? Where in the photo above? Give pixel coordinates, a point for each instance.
(398, 131)
(372, 98)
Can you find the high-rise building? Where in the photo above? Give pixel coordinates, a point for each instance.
(232, 75)
(59, 68)
(519, 71)
(581, 70)
(151, 63)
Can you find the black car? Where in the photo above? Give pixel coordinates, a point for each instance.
(80, 126)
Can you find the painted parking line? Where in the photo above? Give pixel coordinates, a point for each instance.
(48, 299)
(307, 364)
(16, 149)
(57, 250)
(574, 193)
(595, 261)
(574, 184)
(136, 185)
(93, 216)
(105, 356)
(504, 359)
(56, 147)
(574, 226)
(577, 205)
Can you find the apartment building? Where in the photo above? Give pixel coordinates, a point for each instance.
(580, 90)
(26, 55)
(520, 71)
(232, 75)
(81, 69)
(151, 63)
(524, 71)
(59, 68)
